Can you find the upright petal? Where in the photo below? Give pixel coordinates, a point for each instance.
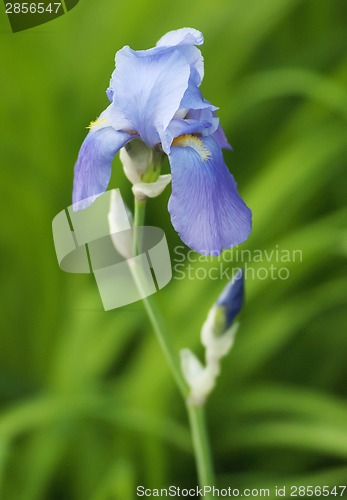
(93, 166)
(182, 36)
(185, 39)
(147, 91)
(195, 115)
(193, 99)
(205, 207)
(216, 131)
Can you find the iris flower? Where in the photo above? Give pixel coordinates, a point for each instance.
(154, 96)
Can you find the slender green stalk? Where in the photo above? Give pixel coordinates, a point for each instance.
(201, 445)
(164, 339)
(139, 219)
(196, 415)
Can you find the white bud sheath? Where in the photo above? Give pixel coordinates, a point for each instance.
(120, 223)
(217, 346)
(200, 379)
(152, 189)
(136, 158)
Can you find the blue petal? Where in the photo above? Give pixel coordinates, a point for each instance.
(206, 209)
(205, 114)
(179, 127)
(183, 36)
(193, 99)
(232, 298)
(195, 115)
(93, 166)
(147, 91)
(198, 108)
(216, 131)
(220, 138)
(196, 62)
(184, 39)
(109, 93)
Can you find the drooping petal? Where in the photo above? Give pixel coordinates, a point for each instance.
(220, 138)
(147, 91)
(205, 207)
(93, 166)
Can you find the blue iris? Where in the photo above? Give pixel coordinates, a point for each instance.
(155, 97)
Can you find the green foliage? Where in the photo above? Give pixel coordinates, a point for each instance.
(88, 407)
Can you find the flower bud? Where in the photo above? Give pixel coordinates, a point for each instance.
(216, 346)
(217, 336)
(140, 163)
(218, 331)
(231, 299)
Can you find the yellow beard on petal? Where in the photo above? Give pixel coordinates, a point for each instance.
(188, 140)
(96, 123)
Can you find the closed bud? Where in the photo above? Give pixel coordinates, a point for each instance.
(231, 299)
(217, 336)
(216, 346)
(140, 163)
(218, 331)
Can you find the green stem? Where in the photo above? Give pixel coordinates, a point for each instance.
(196, 415)
(164, 340)
(151, 306)
(201, 445)
(139, 219)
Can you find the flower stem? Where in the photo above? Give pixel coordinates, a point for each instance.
(196, 415)
(139, 219)
(156, 319)
(201, 445)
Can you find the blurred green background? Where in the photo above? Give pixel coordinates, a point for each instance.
(89, 409)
